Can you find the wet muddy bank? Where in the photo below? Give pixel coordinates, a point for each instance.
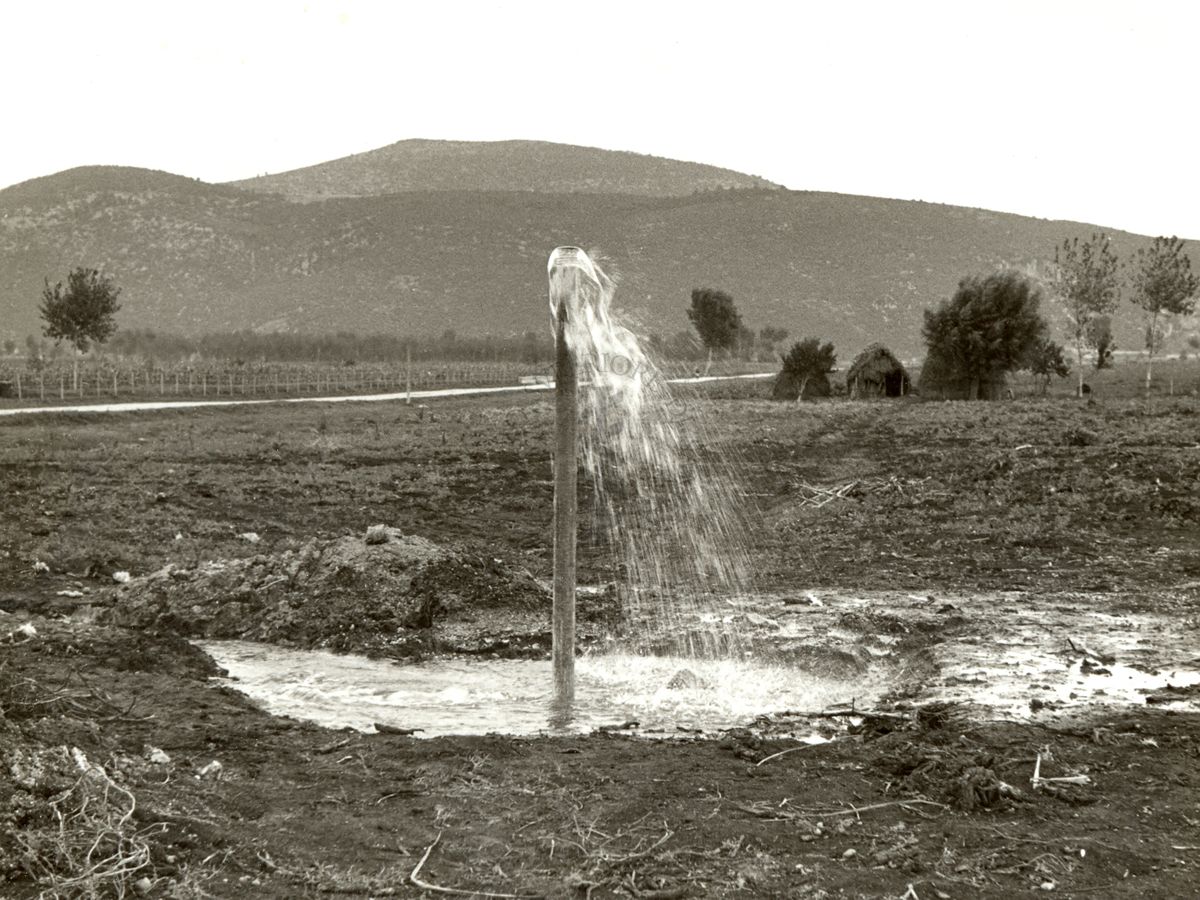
(950, 552)
(934, 799)
(381, 593)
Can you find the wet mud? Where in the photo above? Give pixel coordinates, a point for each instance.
(1039, 732)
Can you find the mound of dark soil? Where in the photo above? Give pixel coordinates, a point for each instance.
(386, 593)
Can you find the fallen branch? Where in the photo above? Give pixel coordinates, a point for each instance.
(438, 889)
(1037, 780)
(641, 854)
(772, 812)
(785, 753)
(855, 810)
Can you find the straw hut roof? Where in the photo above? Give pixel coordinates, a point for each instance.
(877, 371)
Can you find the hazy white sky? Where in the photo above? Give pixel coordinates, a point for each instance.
(1080, 110)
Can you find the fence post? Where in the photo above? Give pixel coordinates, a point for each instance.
(20, 394)
(62, 387)
(115, 383)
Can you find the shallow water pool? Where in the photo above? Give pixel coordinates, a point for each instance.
(479, 696)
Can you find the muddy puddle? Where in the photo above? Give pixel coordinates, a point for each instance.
(1008, 656)
(1011, 655)
(664, 696)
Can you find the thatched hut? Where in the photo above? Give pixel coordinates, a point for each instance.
(788, 386)
(942, 380)
(877, 373)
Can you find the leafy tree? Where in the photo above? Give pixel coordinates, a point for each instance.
(1045, 360)
(1164, 288)
(809, 359)
(715, 318)
(10, 347)
(83, 314)
(987, 328)
(1087, 282)
(1100, 336)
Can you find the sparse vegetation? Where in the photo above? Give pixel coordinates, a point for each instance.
(1086, 281)
(214, 257)
(1164, 288)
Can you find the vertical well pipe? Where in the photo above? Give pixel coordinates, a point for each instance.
(565, 506)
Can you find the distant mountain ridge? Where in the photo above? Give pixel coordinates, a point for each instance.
(193, 257)
(537, 166)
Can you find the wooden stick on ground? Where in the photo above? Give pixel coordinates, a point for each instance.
(438, 889)
(785, 753)
(855, 810)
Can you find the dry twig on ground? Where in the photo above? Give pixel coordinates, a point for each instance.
(414, 878)
(92, 847)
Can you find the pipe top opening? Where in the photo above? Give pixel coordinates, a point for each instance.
(572, 258)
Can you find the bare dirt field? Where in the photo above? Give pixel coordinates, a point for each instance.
(999, 561)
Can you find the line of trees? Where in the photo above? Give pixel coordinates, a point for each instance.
(82, 313)
(992, 324)
(1086, 278)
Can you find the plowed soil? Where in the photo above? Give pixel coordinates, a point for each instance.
(924, 796)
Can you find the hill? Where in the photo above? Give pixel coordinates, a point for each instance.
(420, 165)
(193, 257)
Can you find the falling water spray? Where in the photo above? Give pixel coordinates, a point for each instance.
(665, 500)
